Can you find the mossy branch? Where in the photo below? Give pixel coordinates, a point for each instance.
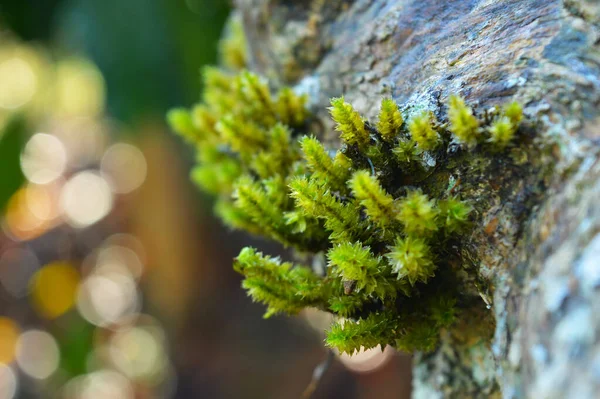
(388, 243)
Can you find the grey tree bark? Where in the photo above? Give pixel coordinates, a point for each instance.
(536, 248)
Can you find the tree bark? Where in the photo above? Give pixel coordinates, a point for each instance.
(536, 247)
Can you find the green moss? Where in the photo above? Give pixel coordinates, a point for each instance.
(408, 154)
(454, 214)
(233, 47)
(417, 213)
(390, 228)
(296, 288)
(378, 204)
(375, 329)
(463, 124)
(368, 273)
(349, 123)
(505, 126)
(411, 258)
(422, 131)
(390, 120)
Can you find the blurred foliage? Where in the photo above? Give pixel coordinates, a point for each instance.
(12, 141)
(62, 252)
(75, 342)
(31, 22)
(142, 54)
(145, 55)
(142, 47)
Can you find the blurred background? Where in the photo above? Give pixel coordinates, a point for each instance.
(115, 279)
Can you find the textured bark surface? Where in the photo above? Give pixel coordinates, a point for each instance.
(536, 248)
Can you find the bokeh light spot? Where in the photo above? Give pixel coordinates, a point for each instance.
(19, 221)
(85, 140)
(101, 384)
(120, 259)
(124, 166)
(85, 199)
(367, 360)
(44, 158)
(18, 83)
(8, 382)
(79, 88)
(138, 353)
(37, 354)
(54, 289)
(108, 296)
(42, 201)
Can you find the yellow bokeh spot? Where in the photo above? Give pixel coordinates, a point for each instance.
(54, 289)
(24, 76)
(9, 334)
(18, 83)
(79, 88)
(30, 212)
(20, 222)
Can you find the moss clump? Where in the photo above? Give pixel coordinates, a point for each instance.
(505, 126)
(422, 131)
(349, 123)
(233, 46)
(390, 243)
(411, 258)
(390, 120)
(463, 124)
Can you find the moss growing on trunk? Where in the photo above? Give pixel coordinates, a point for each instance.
(390, 227)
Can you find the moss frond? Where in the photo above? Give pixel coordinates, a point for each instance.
(389, 120)
(297, 221)
(422, 337)
(204, 121)
(422, 132)
(314, 198)
(411, 258)
(379, 205)
(417, 213)
(336, 171)
(233, 51)
(349, 123)
(291, 108)
(350, 336)
(181, 122)
(454, 214)
(346, 305)
(221, 92)
(443, 310)
(355, 263)
(252, 198)
(235, 218)
(215, 79)
(407, 153)
(504, 128)
(277, 159)
(217, 178)
(342, 163)
(502, 132)
(281, 286)
(514, 112)
(257, 96)
(243, 137)
(463, 123)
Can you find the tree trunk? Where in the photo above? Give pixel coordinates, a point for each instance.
(536, 247)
